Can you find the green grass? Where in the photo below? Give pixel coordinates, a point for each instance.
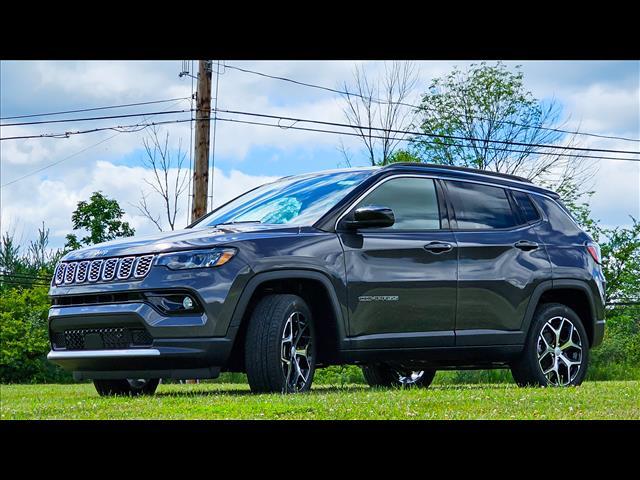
(593, 400)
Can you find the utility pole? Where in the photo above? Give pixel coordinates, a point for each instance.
(201, 153)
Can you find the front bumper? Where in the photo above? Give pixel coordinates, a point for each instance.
(180, 345)
(165, 358)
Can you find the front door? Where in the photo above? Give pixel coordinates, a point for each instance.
(402, 279)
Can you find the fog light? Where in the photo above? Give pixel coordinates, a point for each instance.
(187, 303)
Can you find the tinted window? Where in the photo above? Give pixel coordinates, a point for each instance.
(481, 207)
(413, 200)
(529, 212)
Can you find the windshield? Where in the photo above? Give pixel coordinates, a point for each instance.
(299, 200)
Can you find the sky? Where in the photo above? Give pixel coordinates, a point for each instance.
(597, 96)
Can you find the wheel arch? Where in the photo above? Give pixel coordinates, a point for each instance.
(575, 294)
(315, 288)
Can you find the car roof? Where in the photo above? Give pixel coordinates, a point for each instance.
(470, 174)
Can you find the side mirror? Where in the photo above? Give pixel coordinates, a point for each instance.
(371, 216)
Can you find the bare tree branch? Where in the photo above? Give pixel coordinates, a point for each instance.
(378, 104)
(169, 180)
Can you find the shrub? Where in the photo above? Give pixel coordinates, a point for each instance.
(618, 358)
(24, 342)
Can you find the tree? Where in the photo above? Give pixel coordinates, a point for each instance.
(380, 104)
(161, 161)
(35, 265)
(101, 218)
(486, 103)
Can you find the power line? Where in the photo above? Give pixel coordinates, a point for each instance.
(421, 107)
(345, 125)
(94, 108)
(59, 161)
(433, 135)
(139, 126)
(86, 119)
(354, 134)
(70, 156)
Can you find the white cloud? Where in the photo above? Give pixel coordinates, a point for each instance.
(54, 200)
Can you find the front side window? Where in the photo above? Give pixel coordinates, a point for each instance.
(413, 200)
(480, 206)
(300, 200)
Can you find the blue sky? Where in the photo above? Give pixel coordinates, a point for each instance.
(599, 96)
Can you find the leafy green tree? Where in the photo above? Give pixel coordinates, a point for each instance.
(489, 103)
(101, 217)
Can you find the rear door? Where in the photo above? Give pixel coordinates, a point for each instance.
(402, 279)
(501, 261)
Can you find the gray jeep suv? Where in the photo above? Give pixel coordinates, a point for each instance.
(403, 270)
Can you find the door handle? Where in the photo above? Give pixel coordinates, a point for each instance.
(438, 247)
(526, 245)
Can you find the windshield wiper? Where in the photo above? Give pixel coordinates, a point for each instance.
(237, 221)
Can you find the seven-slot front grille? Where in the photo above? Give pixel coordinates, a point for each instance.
(104, 270)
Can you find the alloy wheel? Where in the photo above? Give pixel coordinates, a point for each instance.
(411, 377)
(559, 350)
(137, 383)
(296, 352)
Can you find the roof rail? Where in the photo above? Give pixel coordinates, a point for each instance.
(460, 169)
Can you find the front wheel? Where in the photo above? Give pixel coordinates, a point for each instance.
(129, 386)
(280, 345)
(556, 352)
(383, 375)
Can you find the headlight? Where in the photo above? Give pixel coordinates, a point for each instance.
(196, 258)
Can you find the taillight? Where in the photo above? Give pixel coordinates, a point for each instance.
(594, 250)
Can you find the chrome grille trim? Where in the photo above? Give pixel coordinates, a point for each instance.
(94, 270)
(58, 277)
(70, 272)
(124, 268)
(143, 265)
(102, 270)
(109, 270)
(82, 270)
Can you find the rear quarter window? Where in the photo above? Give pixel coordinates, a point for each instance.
(527, 209)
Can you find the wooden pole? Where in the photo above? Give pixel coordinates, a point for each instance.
(201, 154)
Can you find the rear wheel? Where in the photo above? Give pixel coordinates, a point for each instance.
(556, 352)
(129, 386)
(384, 375)
(280, 345)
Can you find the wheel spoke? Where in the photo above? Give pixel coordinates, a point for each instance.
(295, 346)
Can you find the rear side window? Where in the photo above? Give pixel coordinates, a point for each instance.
(413, 200)
(480, 206)
(527, 209)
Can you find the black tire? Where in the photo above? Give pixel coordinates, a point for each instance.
(529, 369)
(129, 387)
(383, 375)
(266, 345)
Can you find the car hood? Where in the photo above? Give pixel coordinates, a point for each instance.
(187, 239)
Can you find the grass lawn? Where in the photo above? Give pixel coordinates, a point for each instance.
(593, 400)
